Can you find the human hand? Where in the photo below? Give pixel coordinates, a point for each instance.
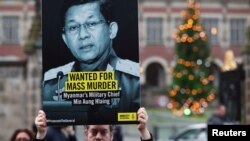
(142, 126)
(70, 130)
(41, 125)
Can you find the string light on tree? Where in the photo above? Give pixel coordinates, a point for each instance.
(191, 89)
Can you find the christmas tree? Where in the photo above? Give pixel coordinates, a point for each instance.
(191, 89)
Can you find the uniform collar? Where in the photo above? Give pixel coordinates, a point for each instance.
(106, 62)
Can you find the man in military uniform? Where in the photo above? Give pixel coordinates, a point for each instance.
(88, 31)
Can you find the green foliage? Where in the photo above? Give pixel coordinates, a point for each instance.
(192, 86)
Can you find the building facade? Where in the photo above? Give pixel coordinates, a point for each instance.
(225, 23)
(15, 22)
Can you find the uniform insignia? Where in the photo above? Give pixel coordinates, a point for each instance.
(52, 73)
(128, 66)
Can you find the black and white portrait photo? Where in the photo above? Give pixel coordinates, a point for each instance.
(90, 61)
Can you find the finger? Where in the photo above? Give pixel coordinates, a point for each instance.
(141, 119)
(141, 110)
(41, 124)
(40, 120)
(143, 115)
(41, 113)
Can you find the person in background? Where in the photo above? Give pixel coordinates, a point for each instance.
(97, 132)
(219, 116)
(22, 135)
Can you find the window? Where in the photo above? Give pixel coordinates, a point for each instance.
(10, 29)
(211, 27)
(154, 31)
(237, 31)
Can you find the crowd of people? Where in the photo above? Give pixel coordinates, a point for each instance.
(91, 132)
(42, 132)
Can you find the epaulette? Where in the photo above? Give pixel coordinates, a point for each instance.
(52, 73)
(128, 66)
